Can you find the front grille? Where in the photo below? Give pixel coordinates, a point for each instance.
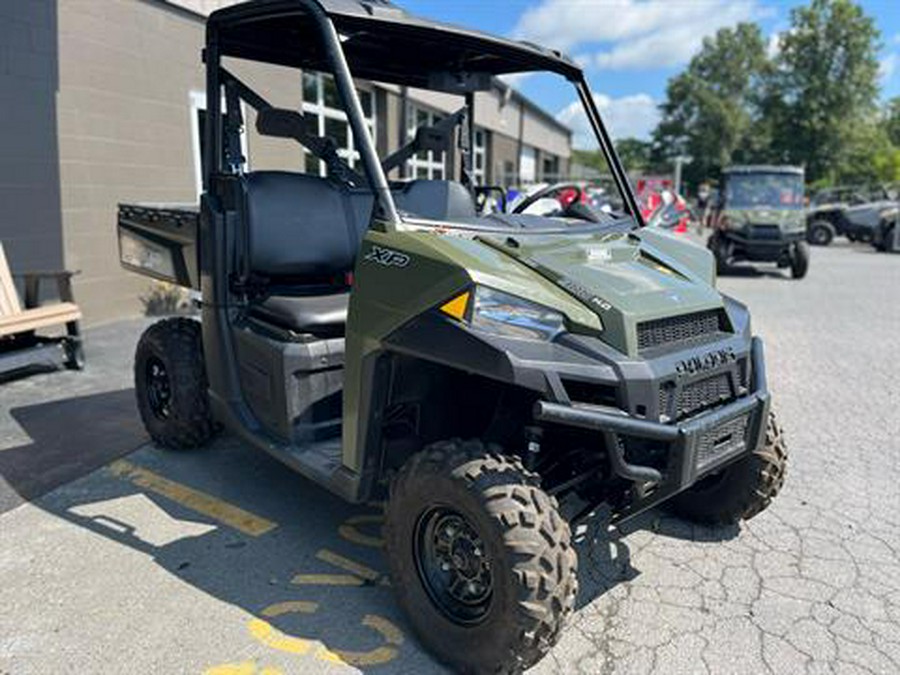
(704, 394)
(770, 232)
(701, 395)
(675, 329)
(726, 439)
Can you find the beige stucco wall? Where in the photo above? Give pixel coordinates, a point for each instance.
(504, 114)
(545, 136)
(127, 70)
(96, 99)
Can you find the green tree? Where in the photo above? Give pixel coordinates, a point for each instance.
(892, 120)
(710, 108)
(592, 159)
(635, 154)
(824, 93)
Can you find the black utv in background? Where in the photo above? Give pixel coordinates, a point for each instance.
(855, 212)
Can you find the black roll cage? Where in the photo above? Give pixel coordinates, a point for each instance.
(502, 56)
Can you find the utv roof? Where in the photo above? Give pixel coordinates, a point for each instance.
(380, 40)
(764, 168)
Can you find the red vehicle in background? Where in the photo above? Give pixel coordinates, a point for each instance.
(654, 184)
(661, 206)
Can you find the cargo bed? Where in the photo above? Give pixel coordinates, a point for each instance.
(160, 241)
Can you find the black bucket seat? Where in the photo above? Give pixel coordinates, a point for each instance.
(302, 229)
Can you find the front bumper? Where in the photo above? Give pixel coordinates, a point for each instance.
(696, 447)
(761, 245)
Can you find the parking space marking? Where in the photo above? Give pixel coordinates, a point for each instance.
(360, 575)
(355, 574)
(351, 566)
(201, 502)
(290, 607)
(349, 530)
(269, 636)
(327, 580)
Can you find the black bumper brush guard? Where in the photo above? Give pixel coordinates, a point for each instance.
(696, 447)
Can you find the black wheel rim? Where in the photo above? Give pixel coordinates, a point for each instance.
(453, 565)
(159, 394)
(820, 235)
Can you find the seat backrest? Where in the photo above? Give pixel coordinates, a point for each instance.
(9, 299)
(435, 199)
(301, 225)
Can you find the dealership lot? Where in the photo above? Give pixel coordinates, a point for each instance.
(223, 562)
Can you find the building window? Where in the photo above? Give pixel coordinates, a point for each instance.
(325, 117)
(527, 165)
(198, 135)
(425, 164)
(550, 168)
(479, 157)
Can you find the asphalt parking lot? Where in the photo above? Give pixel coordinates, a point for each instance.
(118, 557)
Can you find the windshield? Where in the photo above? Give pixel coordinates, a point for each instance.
(522, 158)
(488, 159)
(772, 190)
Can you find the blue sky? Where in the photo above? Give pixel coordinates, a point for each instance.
(630, 48)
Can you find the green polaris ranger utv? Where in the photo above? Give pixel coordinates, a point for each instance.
(497, 378)
(760, 217)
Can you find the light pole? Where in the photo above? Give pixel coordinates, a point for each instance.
(680, 160)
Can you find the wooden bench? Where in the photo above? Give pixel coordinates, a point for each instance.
(20, 345)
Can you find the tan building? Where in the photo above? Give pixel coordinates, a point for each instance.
(103, 102)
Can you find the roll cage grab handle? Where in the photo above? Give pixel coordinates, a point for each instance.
(387, 210)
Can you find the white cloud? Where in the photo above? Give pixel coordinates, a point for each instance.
(887, 66)
(773, 45)
(642, 33)
(632, 116)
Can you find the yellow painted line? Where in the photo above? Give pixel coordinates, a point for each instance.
(349, 530)
(373, 657)
(263, 631)
(391, 634)
(327, 580)
(291, 607)
(349, 565)
(275, 639)
(201, 502)
(389, 631)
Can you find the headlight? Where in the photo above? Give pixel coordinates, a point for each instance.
(504, 314)
(888, 214)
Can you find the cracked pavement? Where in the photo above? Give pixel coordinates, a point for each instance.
(810, 586)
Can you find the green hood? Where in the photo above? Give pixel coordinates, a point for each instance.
(624, 278)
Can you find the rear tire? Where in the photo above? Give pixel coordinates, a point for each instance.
(885, 237)
(524, 557)
(799, 260)
(742, 489)
(820, 233)
(171, 386)
(718, 248)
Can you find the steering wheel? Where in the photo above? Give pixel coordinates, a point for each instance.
(574, 209)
